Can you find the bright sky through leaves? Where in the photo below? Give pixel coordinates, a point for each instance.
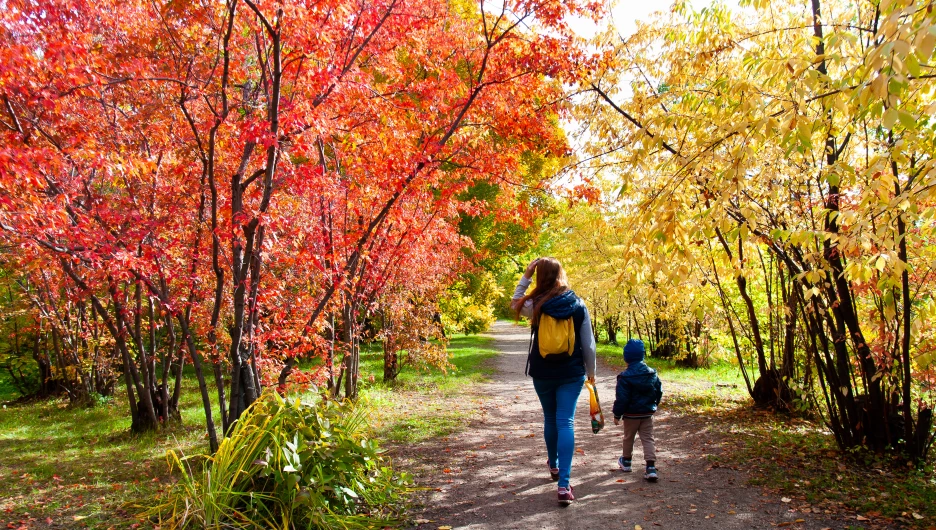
(626, 13)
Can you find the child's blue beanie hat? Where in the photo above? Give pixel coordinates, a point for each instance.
(634, 351)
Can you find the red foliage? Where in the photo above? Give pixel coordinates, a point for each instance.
(253, 164)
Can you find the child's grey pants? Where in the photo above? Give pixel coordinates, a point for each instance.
(644, 426)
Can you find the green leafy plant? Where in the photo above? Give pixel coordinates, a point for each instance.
(287, 465)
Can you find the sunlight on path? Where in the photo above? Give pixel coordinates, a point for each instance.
(492, 475)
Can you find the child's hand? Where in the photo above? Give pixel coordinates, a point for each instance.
(617, 421)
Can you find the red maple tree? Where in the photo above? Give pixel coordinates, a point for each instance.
(219, 181)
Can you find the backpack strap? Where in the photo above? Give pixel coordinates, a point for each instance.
(526, 371)
(578, 337)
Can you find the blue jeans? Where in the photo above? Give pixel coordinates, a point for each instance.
(559, 397)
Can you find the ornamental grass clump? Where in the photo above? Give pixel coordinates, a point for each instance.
(287, 465)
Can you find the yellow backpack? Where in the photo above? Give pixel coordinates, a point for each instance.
(555, 337)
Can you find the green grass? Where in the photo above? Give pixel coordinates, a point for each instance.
(799, 459)
(714, 384)
(81, 467)
(77, 467)
(791, 456)
(422, 404)
(794, 457)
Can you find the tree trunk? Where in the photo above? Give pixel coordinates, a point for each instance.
(731, 328)
(391, 361)
(202, 384)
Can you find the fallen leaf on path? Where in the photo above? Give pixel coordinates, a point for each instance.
(786, 499)
(917, 516)
(422, 521)
(862, 518)
(638, 527)
(445, 528)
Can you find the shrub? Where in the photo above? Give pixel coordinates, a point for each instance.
(469, 305)
(412, 332)
(287, 465)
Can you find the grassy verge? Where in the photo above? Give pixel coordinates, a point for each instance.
(721, 382)
(794, 457)
(421, 404)
(799, 460)
(66, 467)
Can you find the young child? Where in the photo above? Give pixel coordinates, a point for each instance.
(638, 394)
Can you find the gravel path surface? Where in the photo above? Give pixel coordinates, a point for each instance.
(493, 473)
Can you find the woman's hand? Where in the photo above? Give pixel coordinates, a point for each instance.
(531, 268)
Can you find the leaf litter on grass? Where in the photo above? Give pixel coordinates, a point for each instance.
(797, 459)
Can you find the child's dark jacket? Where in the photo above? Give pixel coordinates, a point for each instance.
(639, 391)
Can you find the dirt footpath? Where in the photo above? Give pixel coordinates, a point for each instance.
(493, 474)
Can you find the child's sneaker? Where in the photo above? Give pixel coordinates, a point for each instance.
(650, 474)
(565, 496)
(624, 464)
(553, 471)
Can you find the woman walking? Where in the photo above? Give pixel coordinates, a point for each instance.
(558, 378)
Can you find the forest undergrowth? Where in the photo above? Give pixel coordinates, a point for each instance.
(66, 467)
